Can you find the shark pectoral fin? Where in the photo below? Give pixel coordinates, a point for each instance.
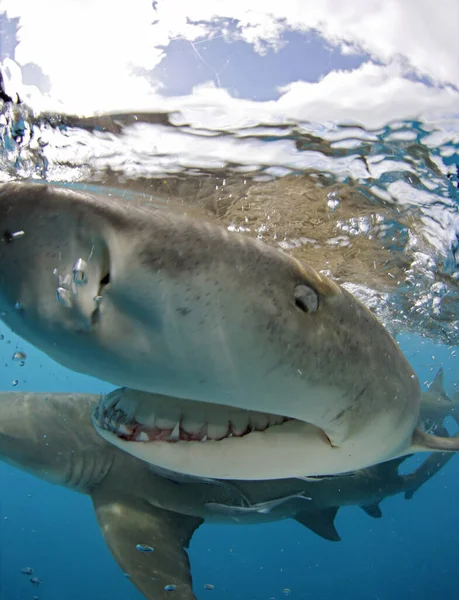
(372, 510)
(126, 522)
(321, 522)
(389, 468)
(412, 490)
(425, 442)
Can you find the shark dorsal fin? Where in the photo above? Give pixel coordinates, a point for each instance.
(438, 385)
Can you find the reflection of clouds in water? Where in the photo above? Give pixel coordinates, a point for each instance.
(100, 56)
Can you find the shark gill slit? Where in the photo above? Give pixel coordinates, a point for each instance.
(87, 470)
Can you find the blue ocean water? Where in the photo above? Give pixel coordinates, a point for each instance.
(409, 553)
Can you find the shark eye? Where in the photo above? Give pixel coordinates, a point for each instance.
(105, 280)
(306, 299)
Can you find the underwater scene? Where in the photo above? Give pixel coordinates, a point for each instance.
(229, 300)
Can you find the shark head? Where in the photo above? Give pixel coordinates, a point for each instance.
(178, 308)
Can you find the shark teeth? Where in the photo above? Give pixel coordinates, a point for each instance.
(117, 413)
(175, 434)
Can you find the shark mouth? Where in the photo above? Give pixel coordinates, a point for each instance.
(213, 440)
(141, 417)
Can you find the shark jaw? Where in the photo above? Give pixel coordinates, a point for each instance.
(125, 413)
(216, 441)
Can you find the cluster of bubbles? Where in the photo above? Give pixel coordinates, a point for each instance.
(32, 578)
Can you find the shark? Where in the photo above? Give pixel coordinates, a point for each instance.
(234, 360)
(147, 515)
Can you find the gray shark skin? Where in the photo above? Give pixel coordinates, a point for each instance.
(51, 437)
(176, 308)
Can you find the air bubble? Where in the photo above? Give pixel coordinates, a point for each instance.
(79, 272)
(144, 548)
(64, 297)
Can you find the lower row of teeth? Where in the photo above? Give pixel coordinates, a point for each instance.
(117, 422)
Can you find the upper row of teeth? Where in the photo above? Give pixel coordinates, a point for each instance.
(117, 421)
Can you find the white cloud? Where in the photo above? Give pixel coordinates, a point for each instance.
(95, 53)
(421, 32)
(88, 49)
(371, 95)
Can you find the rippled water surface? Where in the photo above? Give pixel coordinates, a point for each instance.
(376, 209)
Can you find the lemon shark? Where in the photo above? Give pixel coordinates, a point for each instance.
(214, 338)
(147, 517)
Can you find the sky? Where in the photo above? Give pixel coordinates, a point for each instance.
(362, 61)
